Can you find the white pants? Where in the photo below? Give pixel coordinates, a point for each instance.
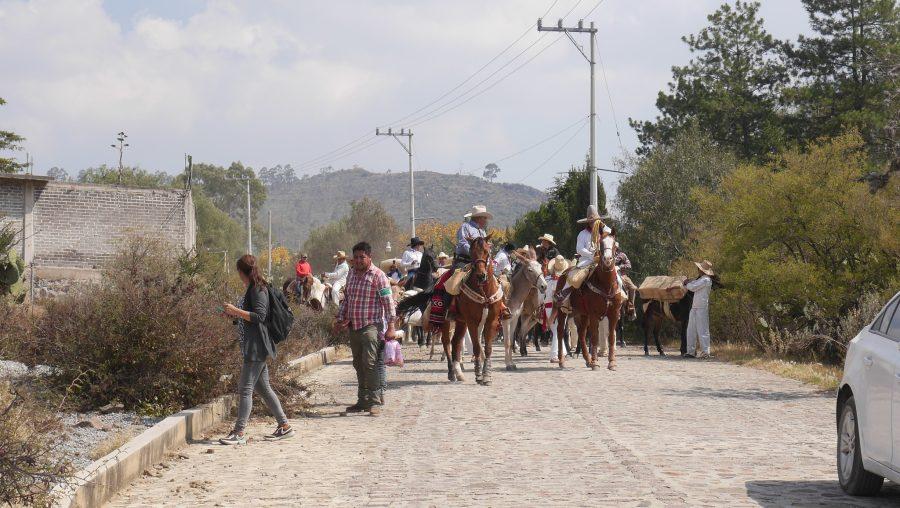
(336, 293)
(698, 329)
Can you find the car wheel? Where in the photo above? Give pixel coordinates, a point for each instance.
(855, 480)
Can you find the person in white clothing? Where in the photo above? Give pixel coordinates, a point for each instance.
(502, 264)
(555, 268)
(698, 321)
(338, 277)
(412, 256)
(584, 249)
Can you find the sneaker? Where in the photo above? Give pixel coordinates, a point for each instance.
(280, 433)
(355, 408)
(374, 411)
(234, 438)
(705, 356)
(688, 355)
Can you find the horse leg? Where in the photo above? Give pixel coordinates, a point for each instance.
(561, 338)
(476, 348)
(658, 345)
(446, 342)
(594, 327)
(613, 318)
(581, 323)
(508, 343)
(490, 329)
(683, 327)
(647, 326)
(457, 352)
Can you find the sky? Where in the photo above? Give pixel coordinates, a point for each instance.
(289, 82)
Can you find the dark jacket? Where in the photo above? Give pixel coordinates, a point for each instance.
(257, 343)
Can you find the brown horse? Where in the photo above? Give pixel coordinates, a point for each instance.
(480, 300)
(598, 297)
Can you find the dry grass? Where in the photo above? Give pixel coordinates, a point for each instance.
(112, 441)
(826, 377)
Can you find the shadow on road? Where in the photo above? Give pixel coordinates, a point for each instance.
(729, 393)
(771, 493)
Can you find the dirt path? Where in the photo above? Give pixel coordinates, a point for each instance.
(658, 432)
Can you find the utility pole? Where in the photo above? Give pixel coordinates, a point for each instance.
(249, 226)
(592, 163)
(269, 267)
(407, 133)
(121, 137)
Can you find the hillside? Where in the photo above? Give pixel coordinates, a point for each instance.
(299, 207)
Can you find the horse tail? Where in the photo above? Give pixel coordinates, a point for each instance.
(416, 301)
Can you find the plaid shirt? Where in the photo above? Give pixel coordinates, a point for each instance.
(367, 298)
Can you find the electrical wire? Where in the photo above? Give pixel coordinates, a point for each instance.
(612, 108)
(541, 142)
(554, 154)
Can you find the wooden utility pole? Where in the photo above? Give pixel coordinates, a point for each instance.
(592, 163)
(407, 133)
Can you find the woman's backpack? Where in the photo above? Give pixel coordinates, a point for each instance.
(280, 318)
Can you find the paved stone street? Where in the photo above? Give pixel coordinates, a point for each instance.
(658, 432)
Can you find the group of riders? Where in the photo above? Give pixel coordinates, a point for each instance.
(446, 272)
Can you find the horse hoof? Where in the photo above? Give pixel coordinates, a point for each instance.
(509, 368)
(594, 366)
(661, 353)
(646, 353)
(562, 365)
(451, 376)
(611, 366)
(486, 383)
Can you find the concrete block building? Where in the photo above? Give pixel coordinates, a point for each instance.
(67, 231)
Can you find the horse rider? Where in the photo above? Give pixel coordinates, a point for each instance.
(337, 278)
(473, 228)
(623, 264)
(546, 251)
(303, 271)
(585, 249)
(412, 256)
(698, 320)
(557, 266)
(443, 260)
(502, 263)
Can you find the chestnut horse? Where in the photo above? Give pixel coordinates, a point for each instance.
(598, 296)
(480, 299)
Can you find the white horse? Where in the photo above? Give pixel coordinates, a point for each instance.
(527, 278)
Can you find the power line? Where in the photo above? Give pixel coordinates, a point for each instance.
(609, 96)
(548, 159)
(368, 144)
(541, 142)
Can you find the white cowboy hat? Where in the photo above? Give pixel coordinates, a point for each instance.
(443, 255)
(548, 237)
(592, 215)
(340, 255)
(467, 216)
(480, 211)
(705, 267)
(559, 265)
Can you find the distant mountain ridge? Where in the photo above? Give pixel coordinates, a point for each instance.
(301, 206)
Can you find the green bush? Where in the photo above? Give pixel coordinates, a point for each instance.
(147, 336)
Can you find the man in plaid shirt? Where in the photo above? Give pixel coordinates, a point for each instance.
(367, 309)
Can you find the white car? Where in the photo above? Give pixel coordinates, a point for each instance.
(868, 406)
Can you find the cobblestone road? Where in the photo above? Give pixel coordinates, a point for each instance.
(658, 432)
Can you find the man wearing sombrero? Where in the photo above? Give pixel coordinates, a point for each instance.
(338, 277)
(584, 249)
(546, 251)
(698, 321)
(412, 256)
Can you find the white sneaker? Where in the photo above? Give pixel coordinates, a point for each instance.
(234, 438)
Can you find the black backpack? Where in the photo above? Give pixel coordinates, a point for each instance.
(280, 318)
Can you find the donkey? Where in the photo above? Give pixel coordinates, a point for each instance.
(525, 283)
(654, 314)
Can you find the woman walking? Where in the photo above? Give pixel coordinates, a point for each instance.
(256, 347)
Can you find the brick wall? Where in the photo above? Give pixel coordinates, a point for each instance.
(12, 206)
(82, 226)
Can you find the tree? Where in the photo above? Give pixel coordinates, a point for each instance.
(367, 221)
(131, 177)
(731, 87)
(59, 174)
(839, 83)
(227, 193)
(9, 141)
(658, 215)
(567, 202)
(216, 230)
(491, 171)
(277, 176)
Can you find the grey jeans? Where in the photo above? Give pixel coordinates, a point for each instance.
(364, 344)
(255, 375)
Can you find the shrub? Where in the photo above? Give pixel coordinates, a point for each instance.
(30, 465)
(147, 336)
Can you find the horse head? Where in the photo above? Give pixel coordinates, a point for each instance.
(531, 268)
(608, 254)
(481, 258)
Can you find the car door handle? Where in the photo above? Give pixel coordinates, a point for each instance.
(867, 361)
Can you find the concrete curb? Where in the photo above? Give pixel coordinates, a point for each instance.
(99, 481)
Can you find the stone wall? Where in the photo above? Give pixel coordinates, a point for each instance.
(82, 226)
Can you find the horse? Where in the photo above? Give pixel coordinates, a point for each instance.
(679, 312)
(422, 281)
(599, 296)
(315, 293)
(525, 284)
(480, 300)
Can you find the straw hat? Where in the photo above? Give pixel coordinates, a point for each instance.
(443, 255)
(705, 267)
(467, 216)
(340, 255)
(548, 237)
(480, 211)
(559, 265)
(591, 217)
